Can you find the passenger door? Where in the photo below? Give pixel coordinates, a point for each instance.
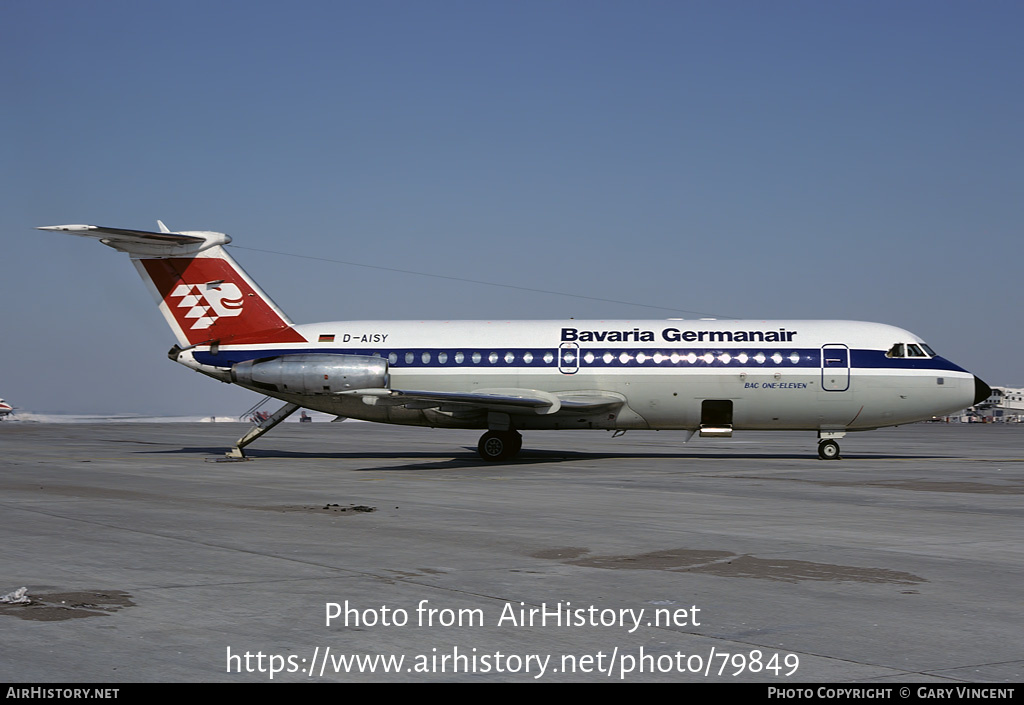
(835, 367)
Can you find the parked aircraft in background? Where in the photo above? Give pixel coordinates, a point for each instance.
(706, 376)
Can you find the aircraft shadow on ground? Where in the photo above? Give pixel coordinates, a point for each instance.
(435, 460)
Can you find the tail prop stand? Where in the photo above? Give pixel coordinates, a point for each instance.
(261, 428)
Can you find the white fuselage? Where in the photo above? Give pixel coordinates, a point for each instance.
(790, 374)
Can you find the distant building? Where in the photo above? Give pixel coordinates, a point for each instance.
(1004, 405)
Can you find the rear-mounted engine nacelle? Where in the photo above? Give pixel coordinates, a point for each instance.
(313, 374)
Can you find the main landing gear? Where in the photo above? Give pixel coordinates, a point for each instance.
(495, 446)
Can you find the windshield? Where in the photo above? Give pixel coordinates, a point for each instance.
(910, 350)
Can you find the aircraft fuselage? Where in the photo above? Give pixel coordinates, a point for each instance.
(806, 375)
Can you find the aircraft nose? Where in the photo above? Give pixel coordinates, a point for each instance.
(981, 391)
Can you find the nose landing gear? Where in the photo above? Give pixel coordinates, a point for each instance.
(828, 450)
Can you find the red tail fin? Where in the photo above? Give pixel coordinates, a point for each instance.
(208, 298)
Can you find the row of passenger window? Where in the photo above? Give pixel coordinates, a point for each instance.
(476, 358)
(569, 357)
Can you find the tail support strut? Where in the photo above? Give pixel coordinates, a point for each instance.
(261, 428)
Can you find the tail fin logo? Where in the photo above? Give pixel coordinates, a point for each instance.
(208, 302)
(209, 298)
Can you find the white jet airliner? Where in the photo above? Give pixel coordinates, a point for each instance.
(706, 376)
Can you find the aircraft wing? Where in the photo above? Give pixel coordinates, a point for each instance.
(510, 401)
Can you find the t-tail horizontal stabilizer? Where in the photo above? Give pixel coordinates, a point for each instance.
(144, 243)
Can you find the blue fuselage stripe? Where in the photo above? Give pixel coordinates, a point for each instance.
(590, 358)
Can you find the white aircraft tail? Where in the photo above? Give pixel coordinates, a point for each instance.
(204, 295)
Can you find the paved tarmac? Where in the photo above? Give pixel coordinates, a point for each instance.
(743, 559)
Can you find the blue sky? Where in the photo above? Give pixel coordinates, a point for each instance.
(853, 160)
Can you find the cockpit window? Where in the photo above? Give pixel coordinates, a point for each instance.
(910, 349)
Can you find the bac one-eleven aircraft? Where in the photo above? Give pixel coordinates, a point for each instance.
(706, 376)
